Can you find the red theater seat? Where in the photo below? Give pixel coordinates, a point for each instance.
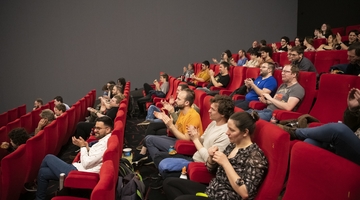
(12, 114)
(21, 110)
(26, 122)
(3, 119)
(14, 124)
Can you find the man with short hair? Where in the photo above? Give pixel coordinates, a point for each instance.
(296, 56)
(47, 116)
(58, 100)
(202, 76)
(353, 67)
(90, 159)
(59, 109)
(242, 58)
(284, 42)
(222, 79)
(265, 83)
(288, 96)
(188, 116)
(265, 55)
(38, 103)
(352, 38)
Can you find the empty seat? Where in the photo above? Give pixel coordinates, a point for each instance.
(3, 119)
(21, 110)
(26, 122)
(12, 114)
(14, 124)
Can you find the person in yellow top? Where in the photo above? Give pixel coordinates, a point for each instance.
(188, 116)
(202, 76)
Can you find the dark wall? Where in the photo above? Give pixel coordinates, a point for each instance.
(67, 48)
(313, 13)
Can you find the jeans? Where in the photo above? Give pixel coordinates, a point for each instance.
(50, 169)
(345, 142)
(177, 188)
(150, 112)
(156, 128)
(243, 104)
(265, 114)
(155, 144)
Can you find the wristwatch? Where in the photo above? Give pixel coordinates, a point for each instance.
(239, 182)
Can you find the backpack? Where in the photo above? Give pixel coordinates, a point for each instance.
(131, 107)
(129, 185)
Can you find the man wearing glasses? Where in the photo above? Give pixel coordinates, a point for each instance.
(90, 157)
(287, 97)
(296, 56)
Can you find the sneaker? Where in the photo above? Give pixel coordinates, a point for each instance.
(30, 186)
(156, 184)
(144, 123)
(139, 157)
(290, 130)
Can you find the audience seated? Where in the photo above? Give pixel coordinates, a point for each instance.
(38, 103)
(222, 79)
(221, 109)
(308, 43)
(265, 83)
(226, 56)
(240, 169)
(59, 100)
(262, 43)
(188, 71)
(297, 58)
(90, 158)
(299, 42)
(59, 109)
(158, 91)
(331, 44)
(17, 136)
(344, 137)
(107, 91)
(242, 58)
(287, 97)
(253, 62)
(201, 76)
(284, 42)
(47, 116)
(188, 116)
(352, 38)
(325, 30)
(317, 34)
(121, 82)
(83, 129)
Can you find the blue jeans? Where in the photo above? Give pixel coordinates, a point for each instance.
(150, 113)
(50, 169)
(345, 142)
(157, 143)
(265, 114)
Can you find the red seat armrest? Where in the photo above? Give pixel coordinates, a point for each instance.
(225, 92)
(284, 115)
(158, 99)
(81, 180)
(257, 105)
(238, 97)
(198, 172)
(185, 147)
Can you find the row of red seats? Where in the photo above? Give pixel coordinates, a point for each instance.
(102, 184)
(12, 114)
(22, 165)
(276, 146)
(344, 31)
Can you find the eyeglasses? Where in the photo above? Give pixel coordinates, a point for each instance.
(285, 71)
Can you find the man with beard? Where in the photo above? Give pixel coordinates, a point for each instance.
(353, 67)
(265, 83)
(296, 56)
(188, 116)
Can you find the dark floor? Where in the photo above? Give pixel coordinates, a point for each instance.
(133, 137)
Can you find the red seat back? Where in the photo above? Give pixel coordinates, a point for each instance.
(353, 27)
(51, 137)
(3, 138)
(199, 98)
(35, 153)
(275, 144)
(340, 30)
(252, 72)
(237, 78)
(13, 173)
(331, 100)
(14, 124)
(325, 59)
(3, 119)
(12, 114)
(308, 81)
(307, 175)
(26, 122)
(62, 127)
(71, 122)
(105, 188)
(35, 114)
(204, 111)
(318, 42)
(21, 110)
(276, 57)
(284, 60)
(310, 55)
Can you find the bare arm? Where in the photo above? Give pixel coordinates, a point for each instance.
(289, 105)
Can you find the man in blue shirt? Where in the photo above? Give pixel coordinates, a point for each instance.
(265, 83)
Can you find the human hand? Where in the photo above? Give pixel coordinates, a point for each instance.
(211, 72)
(80, 142)
(5, 145)
(353, 98)
(167, 106)
(289, 47)
(184, 69)
(220, 158)
(167, 120)
(266, 96)
(262, 99)
(193, 132)
(212, 150)
(249, 82)
(172, 100)
(158, 115)
(338, 37)
(42, 123)
(192, 76)
(214, 60)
